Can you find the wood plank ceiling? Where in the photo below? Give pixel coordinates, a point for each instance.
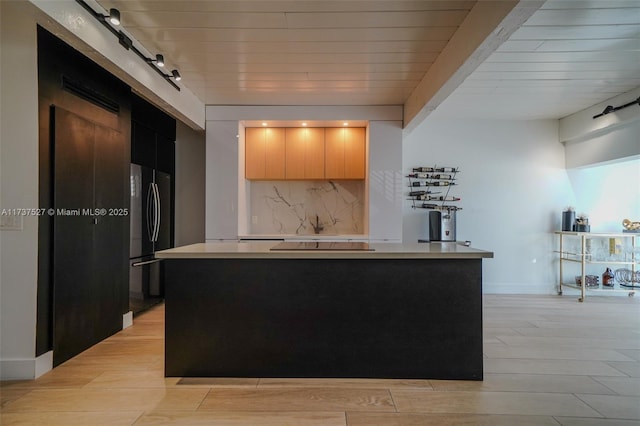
(571, 54)
(296, 52)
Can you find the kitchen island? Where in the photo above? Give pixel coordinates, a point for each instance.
(386, 310)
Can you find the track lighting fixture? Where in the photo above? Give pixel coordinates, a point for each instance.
(124, 41)
(114, 16)
(610, 108)
(113, 19)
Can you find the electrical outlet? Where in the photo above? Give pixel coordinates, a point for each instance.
(11, 223)
(254, 220)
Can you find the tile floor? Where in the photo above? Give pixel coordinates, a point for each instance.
(549, 360)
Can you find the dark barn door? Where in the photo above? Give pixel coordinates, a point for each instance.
(87, 245)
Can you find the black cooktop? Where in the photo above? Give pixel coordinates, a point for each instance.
(323, 245)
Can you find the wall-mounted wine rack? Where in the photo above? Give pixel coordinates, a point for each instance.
(430, 188)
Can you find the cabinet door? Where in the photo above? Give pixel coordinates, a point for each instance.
(295, 153)
(73, 289)
(143, 145)
(111, 231)
(354, 153)
(255, 153)
(89, 251)
(274, 153)
(345, 153)
(314, 153)
(334, 153)
(305, 153)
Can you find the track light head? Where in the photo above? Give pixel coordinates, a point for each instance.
(176, 75)
(114, 16)
(160, 60)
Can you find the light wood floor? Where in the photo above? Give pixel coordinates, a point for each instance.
(549, 360)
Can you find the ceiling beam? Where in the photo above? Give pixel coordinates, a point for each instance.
(488, 24)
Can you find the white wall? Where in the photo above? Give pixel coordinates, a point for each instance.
(513, 188)
(221, 222)
(607, 145)
(18, 189)
(189, 185)
(385, 181)
(603, 162)
(226, 218)
(611, 137)
(607, 193)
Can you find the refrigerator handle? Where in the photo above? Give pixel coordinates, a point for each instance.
(157, 213)
(150, 213)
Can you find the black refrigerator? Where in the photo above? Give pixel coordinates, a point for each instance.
(150, 231)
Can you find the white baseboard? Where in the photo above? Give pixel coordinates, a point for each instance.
(127, 320)
(44, 363)
(32, 368)
(517, 288)
(26, 369)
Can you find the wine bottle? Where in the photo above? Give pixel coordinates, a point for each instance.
(442, 198)
(429, 206)
(418, 175)
(441, 176)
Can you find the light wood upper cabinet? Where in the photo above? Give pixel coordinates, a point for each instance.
(294, 163)
(264, 153)
(314, 154)
(304, 153)
(334, 153)
(345, 153)
(354, 153)
(275, 153)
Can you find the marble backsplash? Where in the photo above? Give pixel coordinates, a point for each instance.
(299, 207)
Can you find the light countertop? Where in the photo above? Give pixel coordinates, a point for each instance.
(262, 249)
(309, 237)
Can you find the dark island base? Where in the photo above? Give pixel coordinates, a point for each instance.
(331, 318)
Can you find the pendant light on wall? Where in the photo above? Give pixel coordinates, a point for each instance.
(113, 19)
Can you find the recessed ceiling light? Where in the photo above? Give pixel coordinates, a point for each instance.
(264, 124)
(345, 124)
(304, 124)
